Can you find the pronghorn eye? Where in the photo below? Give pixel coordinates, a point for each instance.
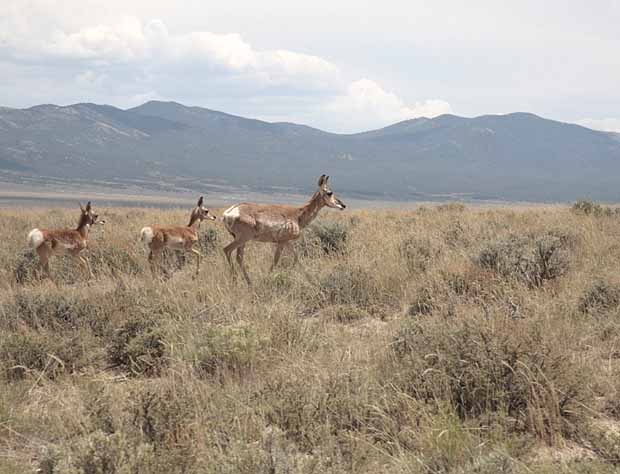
(329, 193)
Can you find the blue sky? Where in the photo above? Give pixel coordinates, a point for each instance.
(341, 66)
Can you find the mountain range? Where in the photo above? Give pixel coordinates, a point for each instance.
(517, 156)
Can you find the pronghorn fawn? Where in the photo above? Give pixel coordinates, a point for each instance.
(157, 238)
(274, 223)
(71, 242)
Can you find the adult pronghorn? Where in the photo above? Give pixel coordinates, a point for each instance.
(64, 241)
(157, 238)
(274, 223)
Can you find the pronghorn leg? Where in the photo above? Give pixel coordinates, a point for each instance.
(228, 250)
(153, 261)
(75, 254)
(240, 253)
(44, 262)
(276, 256)
(198, 257)
(84, 261)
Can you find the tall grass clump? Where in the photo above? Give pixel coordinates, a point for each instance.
(483, 366)
(138, 347)
(589, 208)
(532, 259)
(325, 237)
(601, 297)
(418, 253)
(445, 339)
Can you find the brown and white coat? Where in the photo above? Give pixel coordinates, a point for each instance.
(157, 238)
(71, 242)
(280, 224)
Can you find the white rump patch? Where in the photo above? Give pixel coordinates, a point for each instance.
(232, 212)
(35, 238)
(146, 235)
(229, 216)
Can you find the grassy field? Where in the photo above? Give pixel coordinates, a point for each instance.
(445, 339)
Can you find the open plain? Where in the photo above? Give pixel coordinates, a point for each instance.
(442, 339)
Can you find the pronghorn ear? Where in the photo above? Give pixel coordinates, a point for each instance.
(322, 180)
(81, 207)
(200, 201)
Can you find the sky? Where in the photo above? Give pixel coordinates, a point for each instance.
(342, 66)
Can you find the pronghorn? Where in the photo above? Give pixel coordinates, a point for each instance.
(274, 223)
(64, 241)
(157, 238)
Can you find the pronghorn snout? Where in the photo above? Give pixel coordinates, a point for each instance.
(341, 205)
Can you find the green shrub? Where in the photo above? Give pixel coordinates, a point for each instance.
(456, 235)
(27, 267)
(589, 208)
(463, 284)
(209, 240)
(344, 313)
(325, 238)
(101, 453)
(53, 310)
(137, 346)
(116, 260)
(354, 286)
(63, 269)
(501, 366)
(312, 407)
(455, 207)
(599, 298)
(98, 405)
(424, 302)
(278, 281)
(162, 414)
(418, 254)
(40, 351)
(529, 259)
(228, 349)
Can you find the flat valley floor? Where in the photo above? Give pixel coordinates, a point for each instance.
(441, 339)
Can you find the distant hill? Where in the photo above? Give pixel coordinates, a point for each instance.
(517, 156)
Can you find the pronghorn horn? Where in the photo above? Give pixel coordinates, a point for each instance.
(88, 206)
(200, 201)
(322, 180)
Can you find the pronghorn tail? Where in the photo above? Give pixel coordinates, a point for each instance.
(229, 217)
(146, 235)
(35, 238)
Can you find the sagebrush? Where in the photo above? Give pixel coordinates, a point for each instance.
(444, 339)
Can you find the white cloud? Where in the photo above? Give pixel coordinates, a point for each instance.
(129, 41)
(487, 56)
(605, 125)
(130, 59)
(124, 41)
(366, 102)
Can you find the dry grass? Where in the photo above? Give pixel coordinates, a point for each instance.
(447, 339)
